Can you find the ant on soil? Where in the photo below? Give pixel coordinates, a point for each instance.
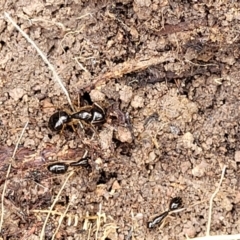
(61, 167)
(88, 115)
(174, 206)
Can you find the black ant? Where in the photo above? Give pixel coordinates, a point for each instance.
(174, 206)
(89, 115)
(58, 120)
(62, 167)
(58, 168)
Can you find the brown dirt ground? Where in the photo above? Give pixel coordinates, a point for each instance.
(172, 66)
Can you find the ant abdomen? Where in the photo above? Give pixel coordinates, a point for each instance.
(58, 168)
(58, 120)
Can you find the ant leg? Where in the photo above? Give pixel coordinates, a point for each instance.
(72, 126)
(72, 123)
(163, 223)
(90, 126)
(97, 105)
(94, 131)
(62, 130)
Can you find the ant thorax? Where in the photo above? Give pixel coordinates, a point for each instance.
(82, 115)
(61, 121)
(97, 116)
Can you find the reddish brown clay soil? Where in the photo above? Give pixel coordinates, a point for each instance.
(167, 75)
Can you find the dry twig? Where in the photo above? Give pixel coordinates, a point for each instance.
(60, 221)
(8, 172)
(218, 237)
(99, 216)
(55, 201)
(44, 58)
(132, 65)
(211, 202)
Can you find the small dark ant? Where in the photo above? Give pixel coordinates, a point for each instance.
(61, 167)
(58, 168)
(89, 115)
(174, 205)
(157, 220)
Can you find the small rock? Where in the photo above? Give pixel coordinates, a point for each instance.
(33, 8)
(237, 198)
(197, 149)
(124, 134)
(190, 54)
(92, 186)
(187, 140)
(2, 25)
(227, 204)
(230, 60)
(106, 138)
(138, 216)
(134, 33)
(237, 156)
(143, 3)
(126, 94)
(16, 93)
(175, 130)
(29, 143)
(98, 161)
(151, 157)
(185, 166)
(200, 169)
(189, 230)
(137, 102)
(101, 190)
(115, 185)
(47, 106)
(97, 96)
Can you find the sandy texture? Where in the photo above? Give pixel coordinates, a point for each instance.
(167, 75)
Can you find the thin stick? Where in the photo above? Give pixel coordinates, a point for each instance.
(44, 58)
(89, 231)
(211, 201)
(51, 208)
(8, 172)
(60, 221)
(203, 65)
(99, 216)
(216, 237)
(98, 220)
(80, 65)
(129, 66)
(19, 139)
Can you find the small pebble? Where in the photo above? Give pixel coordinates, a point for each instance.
(126, 94)
(137, 102)
(16, 93)
(97, 96)
(124, 134)
(237, 156)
